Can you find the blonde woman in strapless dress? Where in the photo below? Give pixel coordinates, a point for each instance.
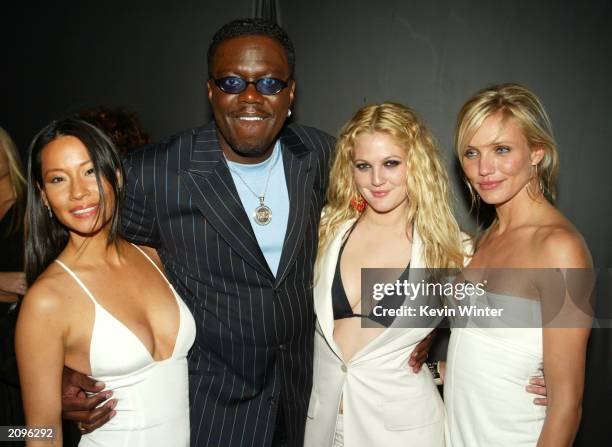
(505, 145)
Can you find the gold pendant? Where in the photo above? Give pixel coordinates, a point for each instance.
(262, 214)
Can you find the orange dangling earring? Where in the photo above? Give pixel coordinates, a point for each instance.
(359, 203)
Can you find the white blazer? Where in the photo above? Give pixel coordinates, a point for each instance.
(385, 403)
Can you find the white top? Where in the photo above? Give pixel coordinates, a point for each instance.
(384, 402)
(152, 396)
(484, 387)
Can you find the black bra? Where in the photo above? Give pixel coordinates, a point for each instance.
(340, 303)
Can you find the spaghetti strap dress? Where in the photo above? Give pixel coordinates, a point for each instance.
(152, 396)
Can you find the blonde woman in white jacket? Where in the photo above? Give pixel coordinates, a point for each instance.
(388, 207)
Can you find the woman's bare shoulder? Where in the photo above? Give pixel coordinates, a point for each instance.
(50, 291)
(152, 253)
(560, 245)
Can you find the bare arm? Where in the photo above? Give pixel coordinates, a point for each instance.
(39, 345)
(8, 297)
(12, 284)
(564, 359)
(565, 347)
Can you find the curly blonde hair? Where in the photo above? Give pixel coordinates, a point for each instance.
(427, 183)
(517, 102)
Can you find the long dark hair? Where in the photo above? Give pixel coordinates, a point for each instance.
(45, 236)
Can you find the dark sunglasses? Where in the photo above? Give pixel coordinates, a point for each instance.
(235, 84)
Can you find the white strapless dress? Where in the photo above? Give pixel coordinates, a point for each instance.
(487, 371)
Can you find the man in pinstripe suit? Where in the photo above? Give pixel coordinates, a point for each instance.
(233, 209)
(251, 364)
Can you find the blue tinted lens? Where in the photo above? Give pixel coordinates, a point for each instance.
(235, 84)
(231, 84)
(269, 86)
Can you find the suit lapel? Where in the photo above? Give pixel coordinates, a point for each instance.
(300, 177)
(398, 328)
(326, 269)
(212, 189)
(323, 297)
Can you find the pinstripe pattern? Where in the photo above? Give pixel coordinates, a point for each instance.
(254, 331)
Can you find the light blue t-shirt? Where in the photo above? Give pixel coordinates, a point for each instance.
(272, 236)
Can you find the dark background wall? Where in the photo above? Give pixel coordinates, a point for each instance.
(150, 57)
(433, 55)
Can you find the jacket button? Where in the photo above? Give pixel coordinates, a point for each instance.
(271, 401)
(343, 368)
(283, 347)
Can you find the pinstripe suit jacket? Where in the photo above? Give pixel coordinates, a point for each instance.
(255, 331)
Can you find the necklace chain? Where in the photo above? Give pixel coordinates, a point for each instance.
(262, 197)
(262, 214)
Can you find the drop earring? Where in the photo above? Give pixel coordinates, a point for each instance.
(288, 113)
(359, 203)
(50, 212)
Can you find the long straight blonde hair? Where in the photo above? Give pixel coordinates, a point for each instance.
(428, 194)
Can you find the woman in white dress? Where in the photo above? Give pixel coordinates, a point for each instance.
(388, 207)
(506, 149)
(97, 303)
